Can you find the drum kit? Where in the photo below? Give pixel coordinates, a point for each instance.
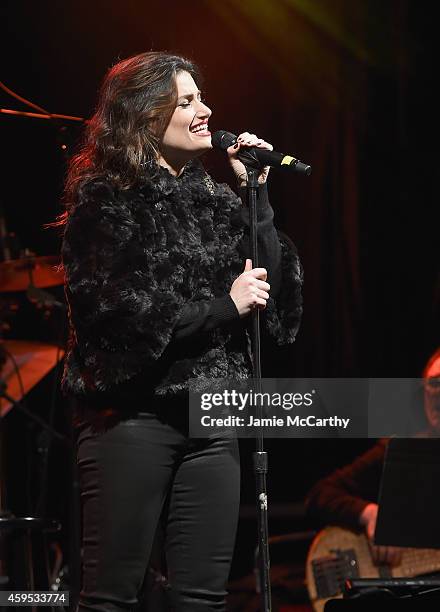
(24, 284)
(33, 336)
(32, 275)
(28, 271)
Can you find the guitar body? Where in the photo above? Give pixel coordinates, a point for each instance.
(337, 554)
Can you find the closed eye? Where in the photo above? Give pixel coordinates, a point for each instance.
(189, 98)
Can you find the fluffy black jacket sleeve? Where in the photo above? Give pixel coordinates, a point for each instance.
(279, 256)
(276, 252)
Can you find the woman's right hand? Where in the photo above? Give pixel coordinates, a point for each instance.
(250, 289)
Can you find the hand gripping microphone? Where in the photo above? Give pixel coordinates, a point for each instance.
(255, 157)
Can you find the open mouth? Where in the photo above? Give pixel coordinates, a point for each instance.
(201, 130)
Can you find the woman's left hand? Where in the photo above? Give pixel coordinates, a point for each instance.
(243, 141)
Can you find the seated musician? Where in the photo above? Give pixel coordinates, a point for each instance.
(348, 496)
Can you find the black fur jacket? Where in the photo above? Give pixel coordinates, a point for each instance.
(148, 273)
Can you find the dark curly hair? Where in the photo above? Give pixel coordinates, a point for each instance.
(136, 101)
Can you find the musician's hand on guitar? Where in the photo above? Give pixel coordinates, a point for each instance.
(381, 555)
(386, 555)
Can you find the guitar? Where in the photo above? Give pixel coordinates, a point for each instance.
(337, 554)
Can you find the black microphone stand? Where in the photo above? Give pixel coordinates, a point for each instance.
(260, 459)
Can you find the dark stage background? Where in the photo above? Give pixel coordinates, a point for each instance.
(345, 86)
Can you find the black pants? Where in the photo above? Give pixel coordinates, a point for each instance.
(130, 472)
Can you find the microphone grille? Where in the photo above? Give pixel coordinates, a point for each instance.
(223, 139)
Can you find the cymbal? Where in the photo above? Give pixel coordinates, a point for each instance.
(42, 271)
(33, 360)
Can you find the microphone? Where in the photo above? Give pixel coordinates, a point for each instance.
(255, 157)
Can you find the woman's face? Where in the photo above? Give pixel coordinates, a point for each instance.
(187, 133)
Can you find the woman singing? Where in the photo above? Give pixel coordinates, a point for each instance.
(160, 290)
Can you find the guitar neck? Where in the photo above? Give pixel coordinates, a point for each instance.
(417, 561)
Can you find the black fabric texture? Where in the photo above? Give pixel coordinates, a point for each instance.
(340, 498)
(148, 273)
